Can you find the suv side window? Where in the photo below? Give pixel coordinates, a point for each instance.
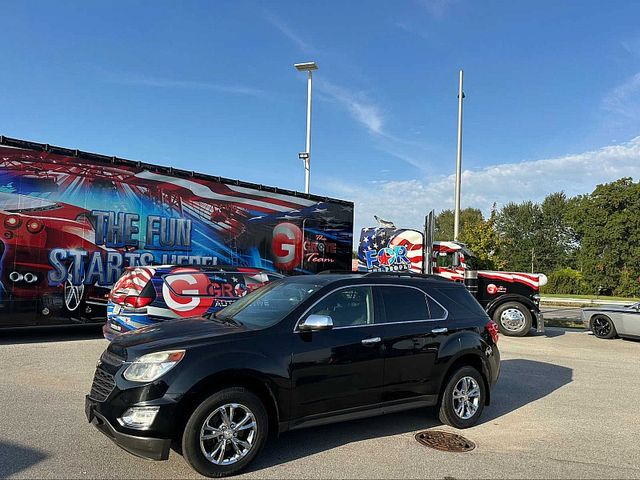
(403, 304)
(347, 307)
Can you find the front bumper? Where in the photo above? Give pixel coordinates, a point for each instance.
(585, 317)
(145, 447)
(539, 322)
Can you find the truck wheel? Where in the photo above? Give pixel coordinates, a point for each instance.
(463, 398)
(225, 433)
(513, 319)
(602, 327)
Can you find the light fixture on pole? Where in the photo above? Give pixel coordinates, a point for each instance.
(305, 156)
(456, 220)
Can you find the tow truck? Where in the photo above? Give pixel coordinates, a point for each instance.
(511, 299)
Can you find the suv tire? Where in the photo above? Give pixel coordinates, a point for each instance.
(464, 383)
(521, 323)
(232, 421)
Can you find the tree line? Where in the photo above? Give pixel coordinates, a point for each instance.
(587, 244)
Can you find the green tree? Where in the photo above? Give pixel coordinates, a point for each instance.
(444, 222)
(607, 227)
(557, 249)
(476, 233)
(519, 227)
(537, 236)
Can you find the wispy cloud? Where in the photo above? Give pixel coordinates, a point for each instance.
(406, 202)
(359, 105)
(142, 80)
(419, 31)
(632, 46)
(438, 9)
(288, 32)
(361, 108)
(625, 98)
(370, 115)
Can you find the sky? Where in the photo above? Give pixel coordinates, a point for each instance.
(552, 93)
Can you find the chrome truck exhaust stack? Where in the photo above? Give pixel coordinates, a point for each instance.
(471, 282)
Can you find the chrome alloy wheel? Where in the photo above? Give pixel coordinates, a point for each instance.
(228, 433)
(512, 319)
(601, 327)
(466, 398)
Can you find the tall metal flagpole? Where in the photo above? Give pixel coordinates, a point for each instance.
(456, 221)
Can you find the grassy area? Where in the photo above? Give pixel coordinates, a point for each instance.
(564, 323)
(589, 297)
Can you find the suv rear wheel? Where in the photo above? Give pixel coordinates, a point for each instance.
(463, 398)
(225, 433)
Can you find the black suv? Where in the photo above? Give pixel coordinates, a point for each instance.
(300, 352)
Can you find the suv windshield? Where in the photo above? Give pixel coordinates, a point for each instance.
(270, 304)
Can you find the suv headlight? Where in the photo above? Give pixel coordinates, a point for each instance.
(152, 366)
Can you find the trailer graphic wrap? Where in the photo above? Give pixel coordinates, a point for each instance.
(69, 225)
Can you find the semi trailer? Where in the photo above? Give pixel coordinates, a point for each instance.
(71, 222)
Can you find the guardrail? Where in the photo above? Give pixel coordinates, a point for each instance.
(582, 301)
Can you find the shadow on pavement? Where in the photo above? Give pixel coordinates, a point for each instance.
(302, 443)
(50, 334)
(551, 332)
(521, 382)
(14, 458)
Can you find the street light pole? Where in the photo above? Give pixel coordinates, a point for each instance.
(309, 67)
(307, 162)
(456, 221)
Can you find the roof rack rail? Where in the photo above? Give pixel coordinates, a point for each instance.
(334, 272)
(405, 274)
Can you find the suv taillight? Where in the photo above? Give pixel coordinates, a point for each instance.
(492, 328)
(135, 301)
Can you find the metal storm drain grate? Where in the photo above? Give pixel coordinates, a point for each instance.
(447, 442)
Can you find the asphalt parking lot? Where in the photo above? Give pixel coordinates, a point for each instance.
(566, 406)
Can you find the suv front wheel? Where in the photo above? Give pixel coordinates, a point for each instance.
(463, 398)
(225, 433)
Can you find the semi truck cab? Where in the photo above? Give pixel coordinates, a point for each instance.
(511, 299)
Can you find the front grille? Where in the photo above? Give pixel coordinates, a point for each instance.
(112, 358)
(103, 385)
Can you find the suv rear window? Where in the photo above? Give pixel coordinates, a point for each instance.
(459, 301)
(403, 304)
(435, 309)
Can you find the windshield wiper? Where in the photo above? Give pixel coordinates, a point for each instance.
(227, 320)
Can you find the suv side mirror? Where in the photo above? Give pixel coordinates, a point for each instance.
(316, 322)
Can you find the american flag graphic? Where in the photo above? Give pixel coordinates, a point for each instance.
(375, 238)
(132, 282)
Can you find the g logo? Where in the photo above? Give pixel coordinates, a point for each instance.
(286, 246)
(183, 292)
(492, 289)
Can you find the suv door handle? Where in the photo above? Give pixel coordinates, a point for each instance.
(371, 341)
(440, 330)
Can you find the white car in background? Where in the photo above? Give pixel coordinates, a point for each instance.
(611, 321)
